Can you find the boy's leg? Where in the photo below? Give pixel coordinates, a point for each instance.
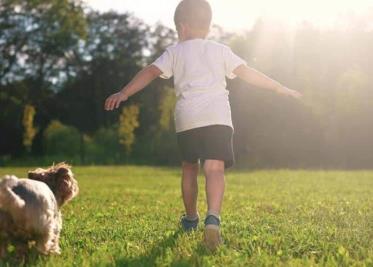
(189, 188)
(214, 173)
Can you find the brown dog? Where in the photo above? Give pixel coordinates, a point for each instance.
(30, 208)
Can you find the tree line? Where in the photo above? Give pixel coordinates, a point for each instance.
(60, 60)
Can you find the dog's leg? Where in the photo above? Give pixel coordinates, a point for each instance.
(3, 234)
(22, 249)
(42, 245)
(2, 249)
(46, 242)
(56, 238)
(55, 247)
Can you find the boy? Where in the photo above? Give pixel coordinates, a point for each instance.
(202, 113)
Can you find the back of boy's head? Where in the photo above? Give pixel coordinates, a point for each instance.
(197, 14)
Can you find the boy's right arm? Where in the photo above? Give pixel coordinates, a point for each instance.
(139, 82)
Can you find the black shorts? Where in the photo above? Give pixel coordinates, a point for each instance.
(209, 142)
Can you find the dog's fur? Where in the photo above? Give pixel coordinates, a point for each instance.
(30, 208)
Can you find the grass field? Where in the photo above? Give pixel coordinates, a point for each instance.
(128, 216)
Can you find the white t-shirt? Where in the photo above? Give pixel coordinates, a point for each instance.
(199, 67)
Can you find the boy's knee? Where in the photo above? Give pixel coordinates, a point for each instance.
(213, 167)
(187, 166)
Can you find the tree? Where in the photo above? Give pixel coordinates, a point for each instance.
(111, 54)
(128, 122)
(37, 37)
(28, 125)
(36, 40)
(166, 108)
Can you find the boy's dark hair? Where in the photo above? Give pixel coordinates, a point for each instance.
(196, 13)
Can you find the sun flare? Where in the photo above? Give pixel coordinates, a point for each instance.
(241, 14)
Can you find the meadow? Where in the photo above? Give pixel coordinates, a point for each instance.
(128, 216)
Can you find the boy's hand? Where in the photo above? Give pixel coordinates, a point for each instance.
(286, 91)
(141, 79)
(113, 101)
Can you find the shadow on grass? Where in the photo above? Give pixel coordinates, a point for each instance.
(149, 258)
(195, 259)
(30, 258)
(159, 250)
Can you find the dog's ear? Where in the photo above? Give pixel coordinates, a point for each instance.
(62, 171)
(31, 175)
(36, 175)
(67, 187)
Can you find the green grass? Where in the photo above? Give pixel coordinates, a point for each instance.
(128, 216)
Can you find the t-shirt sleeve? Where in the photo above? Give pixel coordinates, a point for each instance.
(231, 61)
(165, 64)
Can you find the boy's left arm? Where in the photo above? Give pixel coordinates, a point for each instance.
(141, 79)
(259, 79)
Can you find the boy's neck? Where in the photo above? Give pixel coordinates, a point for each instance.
(190, 35)
(191, 38)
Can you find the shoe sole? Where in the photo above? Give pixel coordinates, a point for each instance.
(212, 237)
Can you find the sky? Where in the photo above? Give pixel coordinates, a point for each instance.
(241, 14)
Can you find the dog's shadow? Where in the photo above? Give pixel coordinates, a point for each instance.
(158, 251)
(24, 257)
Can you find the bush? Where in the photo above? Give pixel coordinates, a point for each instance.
(103, 147)
(63, 140)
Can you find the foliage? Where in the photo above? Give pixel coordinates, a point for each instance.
(128, 216)
(36, 42)
(128, 122)
(166, 108)
(164, 141)
(28, 125)
(67, 68)
(37, 37)
(111, 54)
(60, 139)
(12, 99)
(103, 147)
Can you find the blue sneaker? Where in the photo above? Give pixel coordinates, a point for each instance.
(188, 224)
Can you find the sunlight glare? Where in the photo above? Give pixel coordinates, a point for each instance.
(236, 13)
(242, 14)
